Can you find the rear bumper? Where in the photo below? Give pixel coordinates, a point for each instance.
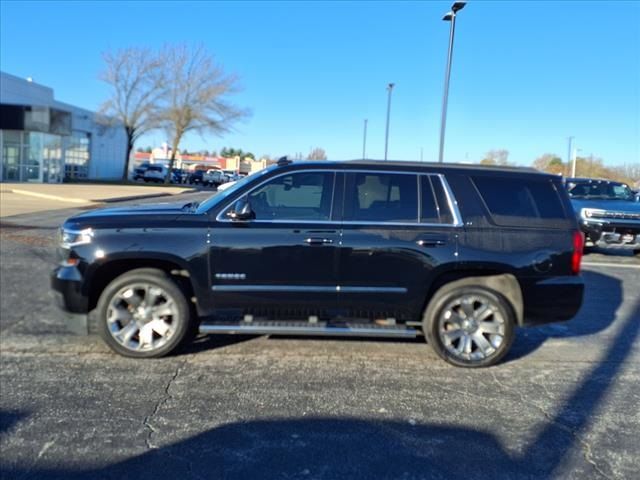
(553, 299)
(66, 283)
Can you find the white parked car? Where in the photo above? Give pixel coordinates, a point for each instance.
(155, 173)
(213, 177)
(231, 175)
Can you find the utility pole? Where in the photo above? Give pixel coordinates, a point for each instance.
(386, 136)
(364, 140)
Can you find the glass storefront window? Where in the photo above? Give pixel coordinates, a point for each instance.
(11, 145)
(76, 157)
(42, 157)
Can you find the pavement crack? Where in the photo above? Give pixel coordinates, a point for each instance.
(585, 446)
(147, 420)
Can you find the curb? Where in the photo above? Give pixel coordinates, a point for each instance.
(49, 197)
(96, 200)
(135, 197)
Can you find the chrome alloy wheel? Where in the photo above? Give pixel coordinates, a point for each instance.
(142, 317)
(471, 327)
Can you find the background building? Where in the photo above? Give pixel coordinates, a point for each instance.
(44, 140)
(162, 155)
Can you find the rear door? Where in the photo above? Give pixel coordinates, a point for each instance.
(398, 228)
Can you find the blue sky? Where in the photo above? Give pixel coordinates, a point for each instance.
(525, 74)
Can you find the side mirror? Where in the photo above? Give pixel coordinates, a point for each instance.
(242, 211)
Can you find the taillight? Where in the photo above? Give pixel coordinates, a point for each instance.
(578, 249)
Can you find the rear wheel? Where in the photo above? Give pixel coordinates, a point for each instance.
(143, 314)
(469, 326)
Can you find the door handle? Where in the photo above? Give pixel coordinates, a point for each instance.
(318, 241)
(431, 242)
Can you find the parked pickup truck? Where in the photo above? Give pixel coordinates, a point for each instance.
(608, 212)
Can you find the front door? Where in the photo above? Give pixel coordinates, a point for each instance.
(283, 263)
(397, 229)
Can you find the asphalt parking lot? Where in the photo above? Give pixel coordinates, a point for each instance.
(564, 404)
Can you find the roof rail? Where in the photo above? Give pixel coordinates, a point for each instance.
(282, 161)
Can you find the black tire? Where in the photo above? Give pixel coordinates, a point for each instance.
(636, 252)
(441, 302)
(182, 322)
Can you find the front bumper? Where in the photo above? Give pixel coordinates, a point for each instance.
(66, 283)
(553, 299)
(610, 234)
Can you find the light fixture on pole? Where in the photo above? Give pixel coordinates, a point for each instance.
(449, 17)
(386, 137)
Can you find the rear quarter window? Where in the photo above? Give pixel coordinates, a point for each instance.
(522, 202)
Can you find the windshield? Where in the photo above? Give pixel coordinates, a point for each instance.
(218, 197)
(601, 190)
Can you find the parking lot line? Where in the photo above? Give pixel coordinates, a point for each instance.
(612, 265)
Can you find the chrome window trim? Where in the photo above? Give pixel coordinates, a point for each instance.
(451, 201)
(305, 289)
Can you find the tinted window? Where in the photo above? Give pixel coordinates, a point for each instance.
(428, 203)
(600, 190)
(298, 196)
(434, 198)
(382, 197)
(513, 201)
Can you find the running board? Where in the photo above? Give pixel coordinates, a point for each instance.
(306, 328)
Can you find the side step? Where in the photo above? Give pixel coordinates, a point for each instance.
(307, 328)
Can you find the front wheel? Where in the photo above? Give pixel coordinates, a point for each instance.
(469, 326)
(143, 314)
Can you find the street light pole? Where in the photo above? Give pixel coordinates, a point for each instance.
(386, 136)
(364, 140)
(569, 157)
(449, 17)
(574, 161)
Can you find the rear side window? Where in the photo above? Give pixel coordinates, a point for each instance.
(383, 197)
(520, 202)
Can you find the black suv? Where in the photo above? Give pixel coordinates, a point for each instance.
(463, 254)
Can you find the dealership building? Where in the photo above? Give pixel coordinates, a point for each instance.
(45, 140)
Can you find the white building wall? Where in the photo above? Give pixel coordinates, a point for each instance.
(107, 146)
(17, 90)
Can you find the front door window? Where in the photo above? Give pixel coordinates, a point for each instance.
(298, 196)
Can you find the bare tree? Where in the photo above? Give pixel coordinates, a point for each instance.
(136, 86)
(496, 157)
(196, 97)
(317, 154)
(549, 162)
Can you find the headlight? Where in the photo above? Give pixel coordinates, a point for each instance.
(72, 238)
(591, 212)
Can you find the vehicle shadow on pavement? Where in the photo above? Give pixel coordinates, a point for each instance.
(340, 447)
(211, 342)
(602, 298)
